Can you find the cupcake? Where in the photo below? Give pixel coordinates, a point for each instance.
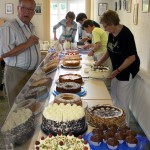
(120, 137)
(112, 143)
(106, 136)
(123, 128)
(131, 132)
(131, 141)
(97, 131)
(96, 139)
(102, 126)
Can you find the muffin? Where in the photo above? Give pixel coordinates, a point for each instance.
(102, 126)
(112, 143)
(96, 139)
(130, 132)
(123, 128)
(97, 131)
(107, 135)
(120, 137)
(131, 141)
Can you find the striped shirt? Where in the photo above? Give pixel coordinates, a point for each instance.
(14, 33)
(66, 34)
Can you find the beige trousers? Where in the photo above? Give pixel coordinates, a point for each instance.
(14, 80)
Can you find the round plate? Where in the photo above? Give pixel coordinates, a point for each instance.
(71, 67)
(81, 93)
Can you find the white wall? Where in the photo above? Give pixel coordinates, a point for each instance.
(141, 31)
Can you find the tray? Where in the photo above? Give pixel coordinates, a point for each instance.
(71, 67)
(103, 146)
(81, 93)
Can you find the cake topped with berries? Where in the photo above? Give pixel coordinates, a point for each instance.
(62, 142)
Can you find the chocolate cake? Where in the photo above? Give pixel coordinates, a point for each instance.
(63, 118)
(71, 78)
(68, 87)
(105, 114)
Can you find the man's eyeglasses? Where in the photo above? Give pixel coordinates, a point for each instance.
(27, 9)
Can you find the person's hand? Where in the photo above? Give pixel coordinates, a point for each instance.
(1, 59)
(90, 53)
(55, 39)
(32, 40)
(113, 74)
(84, 39)
(86, 46)
(97, 63)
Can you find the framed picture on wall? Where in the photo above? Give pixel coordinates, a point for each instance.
(128, 5)
(145, 5)
(135, 14)
(116, 5)
(9, 8)
(38, 9)
(119, 4)
(124, 4)
(102, 7)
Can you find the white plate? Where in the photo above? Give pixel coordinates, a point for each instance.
(71, 67)
(84, 104)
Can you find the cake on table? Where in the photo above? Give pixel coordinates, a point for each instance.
(99, 72)
(61, 142)
(63, 118)
(105, 114)
(68, 98)
(68, 87)
(71, 78)
(71, 63)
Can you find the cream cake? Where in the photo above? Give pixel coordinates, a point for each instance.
(61, 142)
(105, 114)
(99, 72)
(63, 118)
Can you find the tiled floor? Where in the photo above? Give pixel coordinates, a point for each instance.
(4, 109)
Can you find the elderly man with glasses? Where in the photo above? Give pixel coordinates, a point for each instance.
(19, 47)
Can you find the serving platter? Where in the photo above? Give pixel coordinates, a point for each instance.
(81, 93)
(140, 146)
(71, 67)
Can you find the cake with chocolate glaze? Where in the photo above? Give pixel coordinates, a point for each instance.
(61, 142)
(71, 78)
(68, 98)
(63, 118)
(68, 87)
(105, 114)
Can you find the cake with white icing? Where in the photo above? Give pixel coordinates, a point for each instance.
(99, 72)
(64, 118)
(62, 142)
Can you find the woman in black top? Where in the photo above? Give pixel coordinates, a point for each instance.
(122, 51)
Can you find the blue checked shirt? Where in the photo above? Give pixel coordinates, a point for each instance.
(66, 33)
(13, 34)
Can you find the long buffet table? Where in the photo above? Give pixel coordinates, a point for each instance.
(96, 89)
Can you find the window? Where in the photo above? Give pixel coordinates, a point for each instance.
(58, 10)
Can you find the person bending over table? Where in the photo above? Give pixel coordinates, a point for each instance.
(19, 47)
(84, 36)
(99, 39)
(122, 51)
(69, 28)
